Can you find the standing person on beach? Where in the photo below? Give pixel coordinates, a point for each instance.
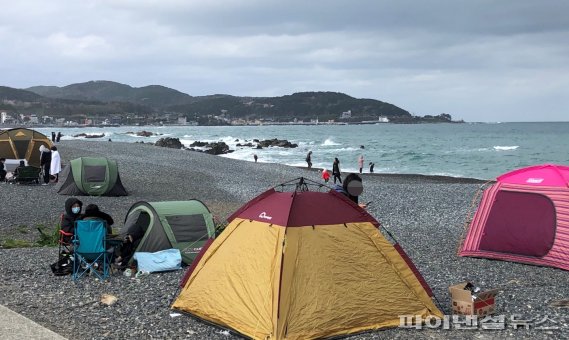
(336, 170)
(58, 138)
(255, 157)
(361, 163)
(371, 165)
(53, 136)
(309, 159)
(45, 163)
(2, 169)
(55, 167)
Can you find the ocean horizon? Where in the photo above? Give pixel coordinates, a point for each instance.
(473, 150)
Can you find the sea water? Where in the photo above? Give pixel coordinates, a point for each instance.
(477, 150)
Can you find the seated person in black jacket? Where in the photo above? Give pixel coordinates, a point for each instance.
(352, 188)
(130, 243)
(92, 212)
(17, 170)
(72, 213)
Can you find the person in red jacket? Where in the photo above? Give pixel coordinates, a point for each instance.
(325, 175)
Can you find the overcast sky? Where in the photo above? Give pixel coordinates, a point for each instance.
(477, 60)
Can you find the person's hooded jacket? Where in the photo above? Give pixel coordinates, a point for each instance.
(68, 222)
(92, 212)
(45, 156)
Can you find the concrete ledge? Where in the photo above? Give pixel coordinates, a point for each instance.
(15, 326)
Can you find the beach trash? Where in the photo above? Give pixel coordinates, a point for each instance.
(468, 299)
(108, 299)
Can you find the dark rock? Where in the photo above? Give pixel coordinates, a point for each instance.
(278, 143)
(199, 144)
(218, 148)
(89, 136)
(246, 144)
(145, 133)
(259, 146)
(168, 142)
(256, 140)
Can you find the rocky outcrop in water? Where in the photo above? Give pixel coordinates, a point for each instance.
(168, 142)
(216, 148)
(246, 144)
(143, 133)
(277, 142)
(89, 136)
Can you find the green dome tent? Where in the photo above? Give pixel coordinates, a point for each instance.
(21, 143)
(90, 176)
(185, 225)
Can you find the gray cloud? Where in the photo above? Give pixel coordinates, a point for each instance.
(477, 60)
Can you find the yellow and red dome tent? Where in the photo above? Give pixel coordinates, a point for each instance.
(303, 265)
(22, 143)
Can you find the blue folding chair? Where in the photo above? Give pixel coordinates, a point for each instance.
(90, 255)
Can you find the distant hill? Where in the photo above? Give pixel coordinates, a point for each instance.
(321, 105)
(8, 93)
(155, 96)
(103, 98)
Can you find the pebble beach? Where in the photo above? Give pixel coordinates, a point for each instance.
(427, 215)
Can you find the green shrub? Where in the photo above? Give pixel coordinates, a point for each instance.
(11, 243)
(49, 237)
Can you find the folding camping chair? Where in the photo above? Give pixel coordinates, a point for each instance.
(64, 263)
(90, 249)
(28, 174)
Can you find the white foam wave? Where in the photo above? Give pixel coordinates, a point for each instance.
(329, 142)
(505, 148)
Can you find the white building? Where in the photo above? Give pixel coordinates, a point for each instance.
(3, 117)
(347, 114)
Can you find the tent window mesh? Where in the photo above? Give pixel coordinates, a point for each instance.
(188, 228)
(95, 173)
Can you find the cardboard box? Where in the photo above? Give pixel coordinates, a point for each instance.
(464, 304)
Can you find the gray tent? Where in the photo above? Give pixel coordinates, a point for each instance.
(185, 225)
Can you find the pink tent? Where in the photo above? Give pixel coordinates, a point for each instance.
(524, 217)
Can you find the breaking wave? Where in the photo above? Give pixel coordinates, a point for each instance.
(505, 148)
(329, 142)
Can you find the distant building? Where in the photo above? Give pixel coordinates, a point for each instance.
(4, 117)
(182, 120)
(347, 114)
(34, 119)
(46, 119)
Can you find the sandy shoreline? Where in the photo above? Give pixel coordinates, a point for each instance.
(426, 214)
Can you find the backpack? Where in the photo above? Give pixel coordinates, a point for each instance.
(63, 266)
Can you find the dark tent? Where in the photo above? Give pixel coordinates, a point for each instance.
(185, 225)
(90, 176)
